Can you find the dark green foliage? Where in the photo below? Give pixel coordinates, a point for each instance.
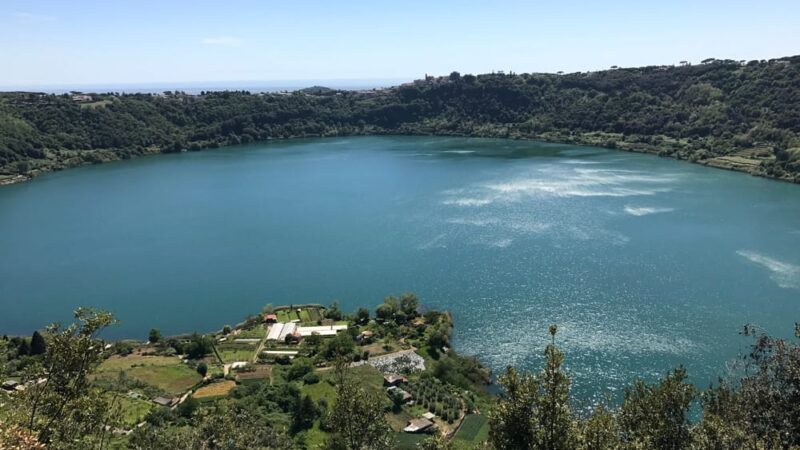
(220, 428)
(333, 312)
(340, 346)
(534, 413)
(311, 378)
(655, 416)
(356, 419)
(462, 371)
(763, 407)
(198, 346)
(187, 407)
(362, 316)
(692, 112)
(202, 369)
(66, 406)
(303, 415)
(409, 304)
(299, 368)
(38, 345)
(154, 336)
(24, 348)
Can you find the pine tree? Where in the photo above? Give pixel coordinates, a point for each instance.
(38, 346)
(556, 425)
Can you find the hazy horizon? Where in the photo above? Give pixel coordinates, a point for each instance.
(198, 86)
(49, 43)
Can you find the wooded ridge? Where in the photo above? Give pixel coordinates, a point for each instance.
(730, 114)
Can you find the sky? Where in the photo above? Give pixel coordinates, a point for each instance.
(59, 43)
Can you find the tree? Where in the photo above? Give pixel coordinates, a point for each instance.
(313, 341)
(534, 410)
(409, 303)
(65, 408)
(362, 316)
(555, 422)
(510, 421)
(198, 346)
(38, 345)
(154, 336)
(357, 418)
(299, 368)
(384, 312)
(333, 312)
(187, 407)
(454, 76)
(435, 442)
(655, 416)
(303, 415)
(761, 409)
(24, 348)
(220, 428)
(341, 346)
(600, 431)
(202, 369)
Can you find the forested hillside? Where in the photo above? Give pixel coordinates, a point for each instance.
(737, 115)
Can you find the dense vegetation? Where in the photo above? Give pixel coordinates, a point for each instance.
(66, 407)
(738, 115)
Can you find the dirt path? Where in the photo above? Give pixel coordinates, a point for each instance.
(260, 347)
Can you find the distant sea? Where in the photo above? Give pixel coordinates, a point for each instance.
(200, 86)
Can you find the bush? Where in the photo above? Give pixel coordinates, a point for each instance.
(300, 367)
(311, 378)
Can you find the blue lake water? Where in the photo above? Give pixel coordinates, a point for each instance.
(643, 262)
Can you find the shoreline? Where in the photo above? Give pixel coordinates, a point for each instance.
(731, 163)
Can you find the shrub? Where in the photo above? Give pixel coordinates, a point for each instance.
(311, 378)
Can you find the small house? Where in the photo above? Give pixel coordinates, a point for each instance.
(365, 337)
(81, 98)
(270, 318)
(418, 425)
(393, 380)
(405, 397)
(164, 401)
(10, 385)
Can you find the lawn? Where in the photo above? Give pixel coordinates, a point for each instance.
(252, 333)
(173, 380)
(474, 429)
(167, 373)
(133, 410)
(409, 441)
(365, 375)
(283, 316)
(117, 363)
(305, 316)
(214, 391)
(398, 421)
(233, 354)
(315, 314)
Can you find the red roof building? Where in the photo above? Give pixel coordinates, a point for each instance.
(270, 318)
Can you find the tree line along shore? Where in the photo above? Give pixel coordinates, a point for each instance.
(313, 377)
(737, 115)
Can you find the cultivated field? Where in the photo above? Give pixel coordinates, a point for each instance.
(214, 390)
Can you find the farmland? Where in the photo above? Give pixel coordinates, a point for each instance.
(214, 390)
(166, 373)
(474, 429)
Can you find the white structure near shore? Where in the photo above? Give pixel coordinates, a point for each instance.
(279, 331)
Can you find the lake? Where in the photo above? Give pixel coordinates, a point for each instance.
(643, 262)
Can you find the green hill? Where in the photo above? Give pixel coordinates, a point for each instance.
(736, 115)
